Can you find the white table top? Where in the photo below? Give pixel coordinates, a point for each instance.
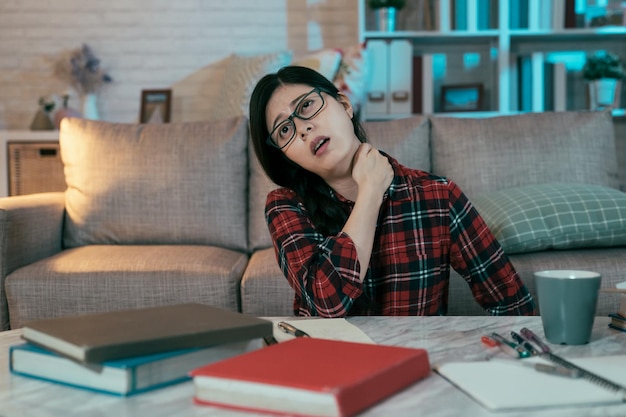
(445, 338)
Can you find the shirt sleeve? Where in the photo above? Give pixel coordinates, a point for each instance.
(478, 257)
(324, 271)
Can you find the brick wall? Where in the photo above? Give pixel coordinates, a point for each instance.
(146, 44)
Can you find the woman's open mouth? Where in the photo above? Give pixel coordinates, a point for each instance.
(318, 143)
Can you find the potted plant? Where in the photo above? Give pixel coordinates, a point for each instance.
(604, 71)
(81, 69)
(386, 13)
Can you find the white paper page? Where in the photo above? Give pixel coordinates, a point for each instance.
(334, 329)
(509, 384)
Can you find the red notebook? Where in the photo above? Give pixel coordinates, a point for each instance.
(310, 377)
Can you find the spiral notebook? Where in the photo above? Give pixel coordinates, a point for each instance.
(515, 384)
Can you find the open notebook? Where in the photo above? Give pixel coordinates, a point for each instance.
(515, 384)
(334, 329)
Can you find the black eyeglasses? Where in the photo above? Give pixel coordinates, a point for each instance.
(307, 108)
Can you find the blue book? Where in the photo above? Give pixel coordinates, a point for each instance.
(121, 376)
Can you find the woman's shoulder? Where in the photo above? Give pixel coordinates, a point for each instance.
(281, 193)
(417, 183)
(416, 175)
(282, 197)
(283, 201)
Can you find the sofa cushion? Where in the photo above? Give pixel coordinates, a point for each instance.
(490, 154)
(99, 278)
(155, 184)
(260, 186)
(555, 216)
(407, 140)
(351, 78)
(262, 281)
(325, 61)
(242, 74)
(197, 97)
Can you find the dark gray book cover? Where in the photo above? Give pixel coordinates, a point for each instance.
(127, 333)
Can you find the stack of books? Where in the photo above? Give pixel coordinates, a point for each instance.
(618, 319)
(132, 351)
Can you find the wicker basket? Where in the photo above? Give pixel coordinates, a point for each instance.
(35, 168)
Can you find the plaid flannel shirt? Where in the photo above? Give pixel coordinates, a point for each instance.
(426, 225)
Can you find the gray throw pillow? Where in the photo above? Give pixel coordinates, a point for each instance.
(496, 153)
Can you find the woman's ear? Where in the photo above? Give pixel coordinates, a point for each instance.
(345, 101)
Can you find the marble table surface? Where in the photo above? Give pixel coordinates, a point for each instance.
(445, 339)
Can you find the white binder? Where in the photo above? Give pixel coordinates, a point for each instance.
(400, 77)
(377, 97)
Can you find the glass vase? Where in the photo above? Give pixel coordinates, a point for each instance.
(90, 106)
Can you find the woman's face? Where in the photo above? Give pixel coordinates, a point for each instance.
(325, 142)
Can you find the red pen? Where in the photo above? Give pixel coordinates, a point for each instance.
(507, 347)
(487, 341)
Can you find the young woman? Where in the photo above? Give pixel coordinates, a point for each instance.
(355, 232)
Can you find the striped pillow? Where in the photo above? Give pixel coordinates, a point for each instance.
(555, 216)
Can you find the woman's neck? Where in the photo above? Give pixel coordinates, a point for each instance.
(341, 180)
(346, 187)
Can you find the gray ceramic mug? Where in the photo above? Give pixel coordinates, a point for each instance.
(567, 304)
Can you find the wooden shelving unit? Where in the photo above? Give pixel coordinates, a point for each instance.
(495, 56)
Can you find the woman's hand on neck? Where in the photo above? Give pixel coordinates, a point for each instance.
(344, 184)
(372, 173)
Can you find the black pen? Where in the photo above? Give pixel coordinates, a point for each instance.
(520, 340)
(288, 328)
(519, 350)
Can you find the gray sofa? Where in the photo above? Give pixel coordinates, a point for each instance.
(161, 214)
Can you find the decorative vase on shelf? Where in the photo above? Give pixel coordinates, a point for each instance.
(386, 19)
(42, 120)
(604, 71)
(604, 93)
(385, 11)
(90, 106)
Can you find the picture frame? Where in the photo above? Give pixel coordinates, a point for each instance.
(462, 97)
(155, 106)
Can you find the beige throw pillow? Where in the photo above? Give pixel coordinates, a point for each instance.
(241, 76)
(155, 184)
(325, 61)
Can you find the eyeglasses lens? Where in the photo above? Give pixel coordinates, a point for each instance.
(306, 109)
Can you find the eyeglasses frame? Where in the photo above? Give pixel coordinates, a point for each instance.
(293, 115)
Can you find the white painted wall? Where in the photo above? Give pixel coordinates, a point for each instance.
(147, 44)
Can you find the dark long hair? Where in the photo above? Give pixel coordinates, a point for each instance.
(327, 213)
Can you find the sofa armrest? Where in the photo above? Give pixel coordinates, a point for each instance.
(31, 229)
